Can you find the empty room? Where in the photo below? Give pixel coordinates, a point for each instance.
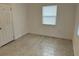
(39, 29)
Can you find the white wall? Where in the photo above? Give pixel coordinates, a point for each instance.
(27, 19)
(19, 19)
(65, 21)
(76, 37)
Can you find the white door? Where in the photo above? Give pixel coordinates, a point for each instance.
(6, 32)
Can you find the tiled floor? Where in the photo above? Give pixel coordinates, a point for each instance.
(36, 45)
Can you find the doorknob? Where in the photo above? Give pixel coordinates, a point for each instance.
(0, 28)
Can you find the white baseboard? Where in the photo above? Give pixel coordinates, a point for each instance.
(51, 36)
(15, 38)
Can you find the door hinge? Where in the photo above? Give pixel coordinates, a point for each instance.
(10, 9)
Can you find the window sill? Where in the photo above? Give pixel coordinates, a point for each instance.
(48, 25)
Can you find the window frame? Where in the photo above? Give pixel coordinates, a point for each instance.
(77, 30)
(49, 16)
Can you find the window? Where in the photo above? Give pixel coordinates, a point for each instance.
(49, 14)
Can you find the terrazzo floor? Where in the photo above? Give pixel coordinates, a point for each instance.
(37, 45)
